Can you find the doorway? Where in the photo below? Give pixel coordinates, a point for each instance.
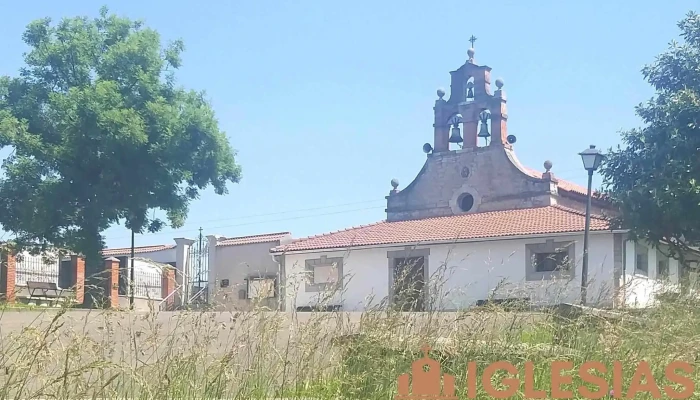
(409, 284)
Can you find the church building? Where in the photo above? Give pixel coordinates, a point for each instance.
(474, 225)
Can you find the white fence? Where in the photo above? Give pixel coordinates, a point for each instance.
(148, 278)
(36, 269)
(147, 283)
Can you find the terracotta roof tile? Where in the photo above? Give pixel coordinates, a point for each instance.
(264, 238)
(568, 186)
(137, 250)
(541, 220)
(564, 185)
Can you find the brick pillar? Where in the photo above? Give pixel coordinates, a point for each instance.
(168, 287)
(112, 282)
(9, 276)
(77, 266)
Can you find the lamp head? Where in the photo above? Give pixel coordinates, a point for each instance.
(592, 158)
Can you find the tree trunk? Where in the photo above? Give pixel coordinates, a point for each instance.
(95, 277)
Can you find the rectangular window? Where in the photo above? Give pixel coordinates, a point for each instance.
(550, 262)
(642, 263)
(325, 274)
(662, 270)
(261, 288)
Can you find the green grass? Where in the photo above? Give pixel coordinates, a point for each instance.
(259, 354)
(19, 307)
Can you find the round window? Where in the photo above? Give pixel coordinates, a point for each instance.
(465, 202)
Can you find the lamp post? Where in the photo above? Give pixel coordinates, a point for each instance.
(132, 275)
(592, 158)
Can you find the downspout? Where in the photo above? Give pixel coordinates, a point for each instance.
(624, 272)
(281, 279)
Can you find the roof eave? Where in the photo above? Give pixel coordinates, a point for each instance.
(270, 238)
(275, 251)
(579, 196)
(273, 241)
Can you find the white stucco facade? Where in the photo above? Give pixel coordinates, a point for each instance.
(460, 274)
(650, 272)
(232, 267)
(621, 273)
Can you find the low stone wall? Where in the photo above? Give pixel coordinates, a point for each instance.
(140, 303)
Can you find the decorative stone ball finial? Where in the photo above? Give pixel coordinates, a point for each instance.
(395, 183)
(499, 83)
(547, 165)
(441, 93)
(470, 53)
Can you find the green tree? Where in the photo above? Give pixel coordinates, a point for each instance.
(100, 133)
(654, 178)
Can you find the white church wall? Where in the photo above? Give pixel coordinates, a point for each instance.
(649, 273)
(461, 274)
(497, 269)
(365, 280)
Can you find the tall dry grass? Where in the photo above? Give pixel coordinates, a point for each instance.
(69, 354)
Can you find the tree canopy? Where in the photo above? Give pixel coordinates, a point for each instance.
(654, 178)
(100, 132)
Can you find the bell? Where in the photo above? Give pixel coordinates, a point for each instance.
(470, 90)
(484, 131)
(455, 136)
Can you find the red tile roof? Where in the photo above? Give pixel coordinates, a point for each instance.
(137, 250)
(568, 186)
(564, 185)
(264, 238)
(530, 221)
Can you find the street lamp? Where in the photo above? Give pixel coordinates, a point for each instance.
(592, 158)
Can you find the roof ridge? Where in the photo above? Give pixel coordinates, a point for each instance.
(301, 239)
(473, 213)
(138, 247)
(577, 212)
(297, 240)
(544, 219)
(257, 235)
(534, 173)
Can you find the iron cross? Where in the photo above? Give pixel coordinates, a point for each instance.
(472, 40)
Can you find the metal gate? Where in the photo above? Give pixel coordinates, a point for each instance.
(197, 285)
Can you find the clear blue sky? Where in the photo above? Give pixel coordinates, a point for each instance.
(327, 101)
